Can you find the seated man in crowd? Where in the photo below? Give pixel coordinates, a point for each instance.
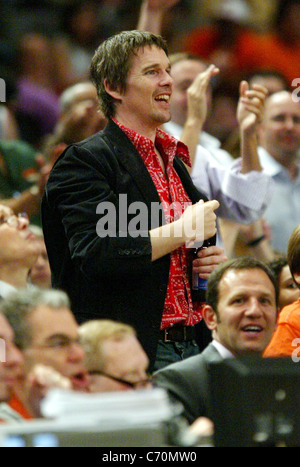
(47, 334)
(286, 339)
(114, 358)
(241, 312)
(19, 251)
(11, 361)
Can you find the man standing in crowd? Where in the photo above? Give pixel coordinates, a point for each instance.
(112, 263)
(121, 274)
(279, 157)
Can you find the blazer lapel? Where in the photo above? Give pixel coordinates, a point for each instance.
(131, 160)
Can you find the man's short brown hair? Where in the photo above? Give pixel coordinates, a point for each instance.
(111, 63)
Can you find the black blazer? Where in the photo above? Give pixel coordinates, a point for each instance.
(187, 382)
(112, 278)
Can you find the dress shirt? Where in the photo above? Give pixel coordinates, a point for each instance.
(243, 198)
(207, 141)
(283, 211)
(178, 306)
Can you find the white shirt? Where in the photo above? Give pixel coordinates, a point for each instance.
(223, 351)
(207, 141)
(283, 211)
(6, 289)
(243, 198)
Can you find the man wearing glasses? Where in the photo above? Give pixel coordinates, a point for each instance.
(47, 334)
(114, 358)
(19, 250)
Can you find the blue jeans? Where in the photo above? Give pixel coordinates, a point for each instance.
(171, 352)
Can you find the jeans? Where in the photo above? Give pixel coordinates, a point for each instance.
(171, 352)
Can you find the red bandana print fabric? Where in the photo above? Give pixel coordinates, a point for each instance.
(178, 306)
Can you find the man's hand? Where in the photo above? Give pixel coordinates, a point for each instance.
(198, 222)
(39, 381)
(251, 106)
(197, 95)
(152, 14)
(197, 110)
(208, 260)
(160, 4)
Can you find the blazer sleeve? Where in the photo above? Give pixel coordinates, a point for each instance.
(75, 199)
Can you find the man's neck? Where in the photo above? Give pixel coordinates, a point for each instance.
(288, 160)
(139, 127)
(15, 276)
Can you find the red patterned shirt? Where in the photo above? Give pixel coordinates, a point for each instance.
(178, 306)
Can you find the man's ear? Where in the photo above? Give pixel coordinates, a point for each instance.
(113, 92)
(210, 317)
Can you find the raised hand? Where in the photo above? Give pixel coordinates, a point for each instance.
(197, 98)
(251, 106)
(161, 4)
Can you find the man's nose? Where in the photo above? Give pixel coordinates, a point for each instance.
(76, 352)
(254, 308)
(14, 356)
(23, 221)
(289, 123)
(167, 79)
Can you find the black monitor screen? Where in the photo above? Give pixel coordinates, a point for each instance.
(256, 402)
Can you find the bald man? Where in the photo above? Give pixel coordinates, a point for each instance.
(279, 148)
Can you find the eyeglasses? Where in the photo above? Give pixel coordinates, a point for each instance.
(14, 221)
(58, 343)
(137, 385)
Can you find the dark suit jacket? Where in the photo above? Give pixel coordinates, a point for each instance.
(111, 278)
(187, 382)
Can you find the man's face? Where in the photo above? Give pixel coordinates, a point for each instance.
(247, 313)
(18, 245)
(280, 130)
(145, 103)
(184, 74)
(126, 360)
(55, 343)
(11, 359)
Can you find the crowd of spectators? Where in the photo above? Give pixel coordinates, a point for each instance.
(224, 54)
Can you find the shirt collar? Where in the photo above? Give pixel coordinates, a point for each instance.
(165, 140)
(6, 289)
(269, 164)
(223, 351)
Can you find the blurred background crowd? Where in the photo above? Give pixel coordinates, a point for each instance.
(46, 46)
